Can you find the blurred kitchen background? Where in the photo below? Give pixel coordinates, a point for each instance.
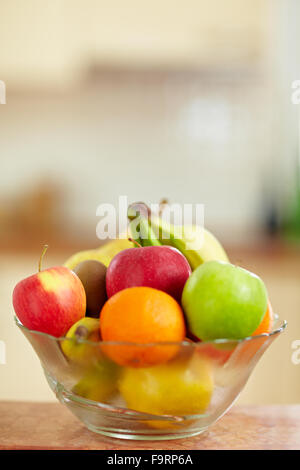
(189, 100)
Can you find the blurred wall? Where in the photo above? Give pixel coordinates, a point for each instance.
(50, 42)
(189, 136)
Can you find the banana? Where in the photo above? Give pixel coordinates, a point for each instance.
(196, 244)
(104, 253)
(207, 247)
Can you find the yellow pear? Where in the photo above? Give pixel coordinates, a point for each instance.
(99, 383)
(78, 347)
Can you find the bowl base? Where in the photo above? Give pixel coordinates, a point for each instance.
(143, 437)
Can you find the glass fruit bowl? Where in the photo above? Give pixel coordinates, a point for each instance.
(176, 399)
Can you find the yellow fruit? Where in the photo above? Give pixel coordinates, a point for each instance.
(180, 387)
(212, 250)
(99, 383)
(104, 253)
(195, 243)
(190, 244)
(75, 348)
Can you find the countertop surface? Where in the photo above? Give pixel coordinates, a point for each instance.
(52, 426)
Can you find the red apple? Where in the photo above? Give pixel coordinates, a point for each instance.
(50, 301)
(161, 267)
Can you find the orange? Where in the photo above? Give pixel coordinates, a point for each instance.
(141, 315)
(248, 349)
(267, 322)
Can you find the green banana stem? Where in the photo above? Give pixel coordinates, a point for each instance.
(147, 235)
(140, 228)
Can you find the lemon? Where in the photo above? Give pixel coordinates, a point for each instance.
(181, 387)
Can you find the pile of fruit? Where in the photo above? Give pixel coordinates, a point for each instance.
(134, 301)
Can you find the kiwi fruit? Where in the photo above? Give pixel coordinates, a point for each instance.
(92, 274)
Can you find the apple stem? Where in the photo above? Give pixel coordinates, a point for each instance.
(42, 256)
(135, 242)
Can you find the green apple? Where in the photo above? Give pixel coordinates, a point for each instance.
(221, 300)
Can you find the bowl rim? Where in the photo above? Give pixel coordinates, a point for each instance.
(185, 343)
